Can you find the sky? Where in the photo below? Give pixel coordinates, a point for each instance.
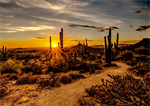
(29, 23)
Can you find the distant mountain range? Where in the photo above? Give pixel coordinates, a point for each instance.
(144, 42)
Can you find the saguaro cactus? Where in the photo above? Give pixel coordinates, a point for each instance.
(61, 38)
(75, 55)
(116, 44)
(50, 43)
(58, 44)
(4, 54)
(79, 47)
(86, 47)
(106, 50)
(110, 45)
(82, 50)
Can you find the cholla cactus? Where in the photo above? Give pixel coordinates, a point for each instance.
(126, 90)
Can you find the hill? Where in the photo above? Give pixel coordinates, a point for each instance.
(144, 42)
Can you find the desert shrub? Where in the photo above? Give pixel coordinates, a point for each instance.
(75, 76)
(80, 65)
(83, 102)
(140, 68)
(48, 82)
(10, 66)
(121, 90)
(11, 76)
(27, 55)
(3, 87)
(35, 68)
(125, 55)
(27, 79)
(92, 70)
(57, 66)
(1, 57)
(98, 66)
(65, 79)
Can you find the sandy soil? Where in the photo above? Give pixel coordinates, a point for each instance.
(67, 94)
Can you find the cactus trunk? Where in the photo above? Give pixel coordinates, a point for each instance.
(4, 56)
(50, 43)
(61, 38)
(75, 55)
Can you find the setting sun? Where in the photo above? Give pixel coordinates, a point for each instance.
(54, 45)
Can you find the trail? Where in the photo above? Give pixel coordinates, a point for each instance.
(70, 93)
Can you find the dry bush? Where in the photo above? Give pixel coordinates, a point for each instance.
(11, 76)
(83, 102)
(27, 79)
(65, 79)
(140, 68)
(3, 87)
(50, 81)
(35, 68)
(10, 66)
(75, 76)
(27, 55)
(126, 90)
(125, 55)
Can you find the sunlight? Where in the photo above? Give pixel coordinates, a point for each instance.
(54, 45)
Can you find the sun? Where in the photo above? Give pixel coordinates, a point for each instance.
(54, 45)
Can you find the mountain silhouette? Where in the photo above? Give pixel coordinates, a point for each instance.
(144, 42)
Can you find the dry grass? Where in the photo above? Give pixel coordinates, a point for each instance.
(27, 79)
(3, 87)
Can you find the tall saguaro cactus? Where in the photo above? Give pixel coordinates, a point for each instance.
(86, 47)
(116, 44)
(75, 55)
(79, 47)
(58, 44)
(4, 54)
(50, 43)
(82, 50)
(61, 38)
(108, 52)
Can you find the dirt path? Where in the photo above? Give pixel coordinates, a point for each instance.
(69, 94)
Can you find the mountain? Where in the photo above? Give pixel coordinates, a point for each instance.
(144, 42)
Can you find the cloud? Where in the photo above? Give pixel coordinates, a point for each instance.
(112, 28)
(79, 40)
(99, 29)
(39, 37)
(138, 12)
(32, 28)
(142, 28)
(131, 26)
